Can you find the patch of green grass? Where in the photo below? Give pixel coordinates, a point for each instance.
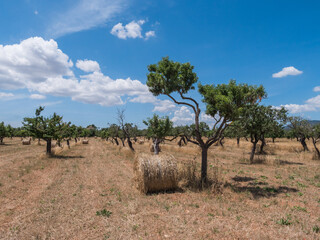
(300, 194)
(285, 221)
(302, 209)
(104, 213)
(278, 177)
(210, 215)
(316, 229)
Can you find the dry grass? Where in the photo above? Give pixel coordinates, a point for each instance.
(58, 197)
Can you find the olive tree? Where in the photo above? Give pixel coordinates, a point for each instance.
(257, 120)
(158, 129)
(315, 136)
(46, 128)
(301, 129)
(224, 102)
(3, 132)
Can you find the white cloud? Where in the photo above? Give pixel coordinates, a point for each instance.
(32, 61)
(5, 95)
(37, 96)
(150, 34)
(40, 66)
(286, 71)
(316, 89)
(88, 65)
(296, 108)
(85, 14)
(311, 105)
(183, 116)
(164, 106)
(131, 30)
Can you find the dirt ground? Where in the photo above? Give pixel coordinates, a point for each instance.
(88, 192)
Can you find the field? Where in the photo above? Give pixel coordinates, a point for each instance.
(88, 192)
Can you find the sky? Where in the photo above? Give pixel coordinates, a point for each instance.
(84, 59)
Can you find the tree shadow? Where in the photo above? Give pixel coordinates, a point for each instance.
(66, 157)
(243, 179)
(259, 192)
(285, 162)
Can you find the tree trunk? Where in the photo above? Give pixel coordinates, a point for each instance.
(304, 144)
(48, 146)
(273, 140)
(122, 140)
(315, 147)
(156, 146)
(221, 141)
(116, 140)
(1, 140)
(238, 141)
(130, 144)
(39, 141)
(68, 143)
(204, 164)
(263, 143)
(254, 146)
(75, 139)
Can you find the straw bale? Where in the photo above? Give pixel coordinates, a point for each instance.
(85, 141)
(155, 173)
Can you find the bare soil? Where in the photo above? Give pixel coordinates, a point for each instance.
(88, 192)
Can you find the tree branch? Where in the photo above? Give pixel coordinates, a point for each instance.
(184, 103)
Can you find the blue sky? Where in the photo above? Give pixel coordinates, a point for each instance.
(85, 58)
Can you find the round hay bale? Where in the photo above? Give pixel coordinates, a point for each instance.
(156, 173)
(85, 141)
(26, 141)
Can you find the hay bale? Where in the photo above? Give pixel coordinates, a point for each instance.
(156, 173)
(26, 141)
(85, 141)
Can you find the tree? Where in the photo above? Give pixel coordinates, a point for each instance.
(224, 102)
(127, 128)
(301, 129)
(10, 131)
(3, 132)
(158, 129)
(257, 120)
(235, 130)
(114, 133)
(315, 136)
(46, 128)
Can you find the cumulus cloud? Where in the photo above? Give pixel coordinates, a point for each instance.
(32, 61)
(150, 34)
(316, 89)
(131, 30)
(311, 105)
(183, 116)
(37, 96)
(85, 14)
(88, 65)
(40, 66)
(286, 71)
(164, 106)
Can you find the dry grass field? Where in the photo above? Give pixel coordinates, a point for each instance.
(88, 192)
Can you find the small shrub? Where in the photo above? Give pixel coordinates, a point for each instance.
(285, 221)
(104, 213)
(316, 229)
